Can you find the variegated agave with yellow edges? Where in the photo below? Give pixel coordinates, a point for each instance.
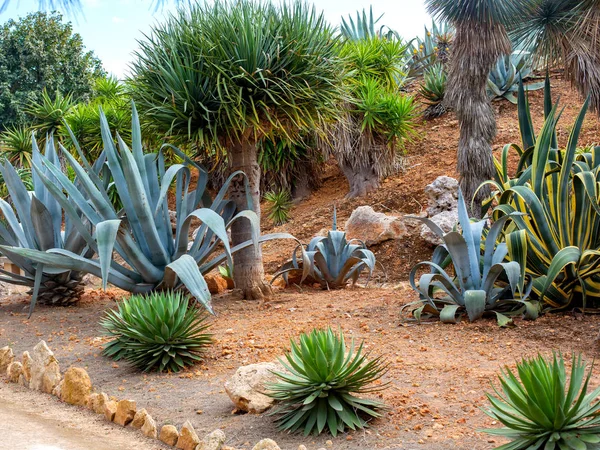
(484, 284)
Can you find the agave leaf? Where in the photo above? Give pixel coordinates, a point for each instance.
(186, 269)
(106, 236)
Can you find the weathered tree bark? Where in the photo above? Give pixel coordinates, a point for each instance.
(361, 180)
(476, 48)
(248, 272)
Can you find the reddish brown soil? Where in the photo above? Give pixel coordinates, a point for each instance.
(438, 373)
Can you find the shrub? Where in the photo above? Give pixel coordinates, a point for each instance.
(160, 331)
(541, 411)
(433, 91)
(318, 390)
(503, 80)
(483, 284)
(331, 261)
(280, 203)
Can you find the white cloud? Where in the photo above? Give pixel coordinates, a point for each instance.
(116, 19)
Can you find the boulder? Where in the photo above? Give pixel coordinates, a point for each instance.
(14, 371)
(110, 410)
(373, 227)
(149, 428)
(266, 444)
(97, 402)
(168, 435)
(443, 195)
(45, 372)
(76, 386)
(125, 412)
(6, 357)
(188, 439)
(446, 220)
(216, 283)
(246, 387)
(140, 418)
(212, 441)
(27, 366)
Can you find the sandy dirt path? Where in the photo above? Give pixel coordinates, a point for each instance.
(35, 421)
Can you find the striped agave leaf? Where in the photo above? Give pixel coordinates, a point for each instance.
(153, 256)
(559, 196)
(332, 261)
(33, 221)
(483, 284)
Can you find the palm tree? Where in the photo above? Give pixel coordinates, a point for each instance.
(227, 73)
(480, 39)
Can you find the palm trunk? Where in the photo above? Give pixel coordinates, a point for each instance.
(476, 49)
(248, 272)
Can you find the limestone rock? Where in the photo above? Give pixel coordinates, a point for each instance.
(373, 227)
(57, 390)
(14, 371)
(27, 366)
(125, 412)
(110, 410)
(169, 435)
(246, 387)
(443, 195)
(266, 444)
(188, 439)
(216, 283)
(45, 372)
(98, 402)
(76, 386)
(149, 428)
(6, 357)
(140, 418)
(302, 447)
(212, 441)
(446, 220)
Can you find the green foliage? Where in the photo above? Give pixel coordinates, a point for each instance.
(24, 175)
(331, 261)
(503, 81)
(159, 331)
(280, 203)
(36, 223)
(151, 255)
(284, 74)
(433, 90)
(319, 389)
(433, 48)
(541, 410)
(483, 284)
(557, 190)
(15, 145)
(364, 27)
(40, 52)
(49, 112)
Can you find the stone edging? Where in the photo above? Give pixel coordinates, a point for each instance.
(40, 371)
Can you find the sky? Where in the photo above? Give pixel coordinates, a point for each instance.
(111, 28)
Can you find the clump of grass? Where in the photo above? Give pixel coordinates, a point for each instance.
(280, 203)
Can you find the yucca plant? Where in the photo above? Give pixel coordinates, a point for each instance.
(482, 284)
(159, 331)
(279, 205)
(319, 390)
(15, 145)
(433, 48)
(152, 255)
(36, 225)
(541, 410)
(332, 261)
(50, 112)
(364, 27)
(433, 91)
(503, 80)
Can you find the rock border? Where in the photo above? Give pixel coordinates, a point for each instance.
(41, 371)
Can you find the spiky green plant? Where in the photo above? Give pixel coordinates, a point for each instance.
(364, 27)
(15, 145)
(332, 261)
(434, 90)
(279, 205)
(540, 410)
(503, 80)
(433, 48)
(153, 256)
(319, 390)
(49, 113)
(159, 331)
(483, 284)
